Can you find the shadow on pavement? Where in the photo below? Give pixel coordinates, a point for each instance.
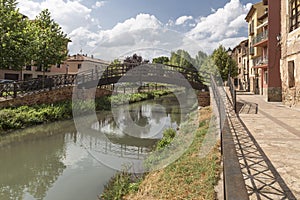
(261, 178)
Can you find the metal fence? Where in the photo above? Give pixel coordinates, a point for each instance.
(233, 182)
(22, 88)
(232, 93)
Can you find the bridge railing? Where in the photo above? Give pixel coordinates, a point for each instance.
(104, 75)
(22, 88)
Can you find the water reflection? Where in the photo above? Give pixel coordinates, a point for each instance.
(31, 165)
(50, 161)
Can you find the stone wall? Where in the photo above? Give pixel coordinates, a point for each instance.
(203, 98)
(290, 45)
(53, 96)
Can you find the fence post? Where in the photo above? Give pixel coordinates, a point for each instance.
(15, 89)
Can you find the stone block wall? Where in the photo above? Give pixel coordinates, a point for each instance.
(203, 98)
(290, 45)
(52, 96)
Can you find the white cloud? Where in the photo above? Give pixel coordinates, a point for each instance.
(144, 31)
(69, 14)
(182, 19)
(221, 27)
(99, 4)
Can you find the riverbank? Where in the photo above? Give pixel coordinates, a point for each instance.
(190, 177)
(24, 116)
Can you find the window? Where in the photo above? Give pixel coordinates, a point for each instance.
(291, 76)
(240, 59)
(28, 67)
(79, 66)
(57, 65)
(294, 14)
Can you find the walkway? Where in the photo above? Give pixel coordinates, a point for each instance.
(267, 139)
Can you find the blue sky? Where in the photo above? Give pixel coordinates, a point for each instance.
(114, 28)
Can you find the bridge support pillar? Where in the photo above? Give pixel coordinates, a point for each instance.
(203, 98)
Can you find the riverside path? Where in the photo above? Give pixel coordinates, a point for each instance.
(267, 139)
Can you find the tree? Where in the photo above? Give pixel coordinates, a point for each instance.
(207, 69)
(50, 41)
(161, 60)
(181, 58)
(200, 58)
(16, 36)
(225, 63)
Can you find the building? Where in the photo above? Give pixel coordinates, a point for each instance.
(290, 54)
(256, 61)
(71, 65)
(264, 49)
(240, 54)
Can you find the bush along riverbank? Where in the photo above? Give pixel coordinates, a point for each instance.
(24, 116)
(189, 177)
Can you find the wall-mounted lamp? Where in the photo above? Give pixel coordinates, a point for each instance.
(278, 38)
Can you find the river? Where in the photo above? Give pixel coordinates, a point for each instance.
(55, 161)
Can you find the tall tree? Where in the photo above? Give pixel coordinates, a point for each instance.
(16, 36)
(181, 58)
(50, 41)
(200, 58)
(225, 63)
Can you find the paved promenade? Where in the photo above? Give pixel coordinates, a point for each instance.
(267, 138)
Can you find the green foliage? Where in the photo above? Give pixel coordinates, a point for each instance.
(24, 116)
(200, 59)
(208, 68)
(161, 60)
(15, 40)
(181, 58)
(123, 183)
(50, 41)
(23, 41)
(224, 63)
(20, 117)
(119, 185)
(168, 136)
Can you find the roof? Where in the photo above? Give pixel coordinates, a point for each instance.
(82, 57)
(252, 10)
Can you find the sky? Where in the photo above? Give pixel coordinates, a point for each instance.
(110, 29)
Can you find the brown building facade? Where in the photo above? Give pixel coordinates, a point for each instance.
(72, 65)
(240, 54)
(264, 49)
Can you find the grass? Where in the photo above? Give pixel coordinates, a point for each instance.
(189, 177)
(123, 182)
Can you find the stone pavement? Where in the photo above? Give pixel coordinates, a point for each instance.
(267, 139)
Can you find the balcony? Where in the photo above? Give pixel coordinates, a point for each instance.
(260, 39)
(261, 61)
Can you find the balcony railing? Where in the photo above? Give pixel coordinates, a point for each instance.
(262, 60)
(260, 37)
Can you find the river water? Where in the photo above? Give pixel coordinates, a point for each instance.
(55, 161)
